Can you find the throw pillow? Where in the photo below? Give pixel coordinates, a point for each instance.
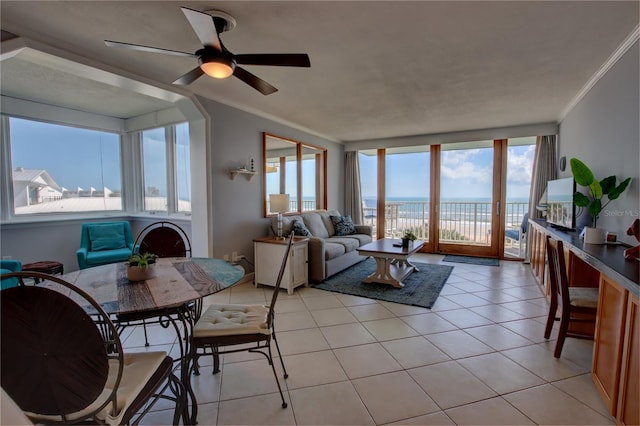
(343, 225)
(107, 237)
(299, 228)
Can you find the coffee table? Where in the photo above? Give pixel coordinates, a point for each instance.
(392, 264)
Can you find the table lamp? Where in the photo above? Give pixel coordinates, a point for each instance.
(279, 203)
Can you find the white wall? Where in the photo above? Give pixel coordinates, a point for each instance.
(602, 130)
(236, 138)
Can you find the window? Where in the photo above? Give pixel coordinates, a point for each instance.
(154, 163)
(166, 174)
(183, 168)
(63, 169)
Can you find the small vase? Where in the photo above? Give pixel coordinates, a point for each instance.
(593, 235)
(405, 242)
(136, 273)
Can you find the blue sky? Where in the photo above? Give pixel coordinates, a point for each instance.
(95, 155)
(464, 173)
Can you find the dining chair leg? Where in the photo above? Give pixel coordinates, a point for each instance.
(551, 317)
(146, 338)
(286, 375)
(275, 374)
(562, 334)
(216, 360)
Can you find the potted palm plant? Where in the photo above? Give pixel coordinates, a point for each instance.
(594, 201)
(141, 267)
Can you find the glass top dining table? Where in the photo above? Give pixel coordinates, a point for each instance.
(177, 281)
(173, 297)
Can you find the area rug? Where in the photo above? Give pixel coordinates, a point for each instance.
(421, 288)
(471, 260)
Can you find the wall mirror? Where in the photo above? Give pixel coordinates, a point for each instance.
(296, 169)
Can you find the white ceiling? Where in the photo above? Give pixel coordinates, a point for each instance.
(379, 69)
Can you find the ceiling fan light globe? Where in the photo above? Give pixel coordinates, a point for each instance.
(218, 68)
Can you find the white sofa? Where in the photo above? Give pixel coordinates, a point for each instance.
(328, 253)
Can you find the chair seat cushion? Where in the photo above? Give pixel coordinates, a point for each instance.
(226, 320)
(139, 367)
(8, 282)
(108, 256)
(583, 296)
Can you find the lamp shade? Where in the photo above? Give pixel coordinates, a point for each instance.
(279, 203)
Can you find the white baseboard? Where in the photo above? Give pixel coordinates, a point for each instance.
(248, 278)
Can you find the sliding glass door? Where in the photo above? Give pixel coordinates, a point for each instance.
(461, 198)
(468, 198)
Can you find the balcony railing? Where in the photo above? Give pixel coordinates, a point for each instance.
(465, 222)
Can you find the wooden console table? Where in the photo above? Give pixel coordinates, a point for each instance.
(616, 353)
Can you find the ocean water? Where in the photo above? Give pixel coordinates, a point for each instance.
(456, 209)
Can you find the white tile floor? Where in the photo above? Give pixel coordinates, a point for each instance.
(477, 357)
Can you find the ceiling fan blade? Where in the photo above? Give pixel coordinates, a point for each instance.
(142, 48)
(275, 59)
(255, 82)
(204, 27)
(189, 77)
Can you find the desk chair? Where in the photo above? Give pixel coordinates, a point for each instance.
(222, 327)
(61, 367)
(578, 304)
(164, 239)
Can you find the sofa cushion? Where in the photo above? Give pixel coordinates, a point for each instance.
(107, 237)
(315, 225)
(349, 244)
(299, 228)
(287, 223)
(362, 238)
(326, 219)
(333, 250)
(343, 225)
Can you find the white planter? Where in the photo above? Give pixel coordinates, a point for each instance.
(593, 235)
(136, 273)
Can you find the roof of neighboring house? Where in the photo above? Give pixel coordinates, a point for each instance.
(21, 174)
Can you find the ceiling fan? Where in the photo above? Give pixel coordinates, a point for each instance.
(214, 59)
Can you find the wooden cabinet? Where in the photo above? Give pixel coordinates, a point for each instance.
(607, 350)
(629, 391)
(537, 244)
(268, 258)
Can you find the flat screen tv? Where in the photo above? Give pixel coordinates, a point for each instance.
(560, 208)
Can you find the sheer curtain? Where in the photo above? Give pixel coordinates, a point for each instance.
(544, 169)
(352, 191)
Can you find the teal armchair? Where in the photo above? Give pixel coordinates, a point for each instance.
(7, 266)
(102, 243)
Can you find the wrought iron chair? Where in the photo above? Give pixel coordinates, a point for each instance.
(164, 239)
(62, 365)
(223, 327)
(578, 304)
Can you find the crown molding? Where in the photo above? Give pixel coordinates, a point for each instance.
(608, 64)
